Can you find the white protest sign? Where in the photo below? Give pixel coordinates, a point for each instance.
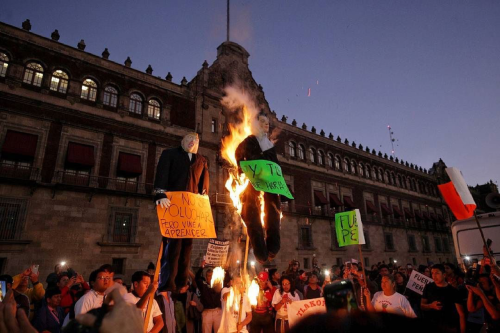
(417, 282)
(300, 309)
(217, 252)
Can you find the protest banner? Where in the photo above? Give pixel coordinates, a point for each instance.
(349, 228)
(417, 282)
(266, 176)
(216, 252)
(188, 216)
(298, 310)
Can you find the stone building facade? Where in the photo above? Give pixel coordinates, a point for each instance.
(80, 137)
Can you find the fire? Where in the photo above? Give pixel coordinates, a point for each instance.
(262, 213)
(217, 276)
(253, 293)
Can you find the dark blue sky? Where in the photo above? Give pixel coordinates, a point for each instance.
(430, 69)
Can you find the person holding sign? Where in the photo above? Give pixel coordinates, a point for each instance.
(259, 147)
(179, 169)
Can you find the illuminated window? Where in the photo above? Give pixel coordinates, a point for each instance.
(4, 64)
(154, 109)
(135, 105)
(337, 163)
(89, 90)
(33, 74)
(59, 81)
(110, 97)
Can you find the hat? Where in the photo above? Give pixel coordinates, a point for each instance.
(263, 276)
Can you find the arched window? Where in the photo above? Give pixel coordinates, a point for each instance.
(321, 157)
(154, 109)
(387, 179)
(59, 81)
(292, 149)
(374, 173)
(33, 74)
(110, 97)
(337, 163)
(302, 152)
(368, 171)
(380, 175)
(89, 90)
(135, 105)
(400, 183)
(408, 184)
(353, 167)
(393, 178)
(312, 155)
(4, 64)
(330, 160)
(361, 169)
(347, 165)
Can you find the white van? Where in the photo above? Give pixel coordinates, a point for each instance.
(467, 238)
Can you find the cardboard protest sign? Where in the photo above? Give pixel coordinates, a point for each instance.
(349, 228)
(417, 282)
(266, 176)
(216, 252)
(300, 309)
(189, 216)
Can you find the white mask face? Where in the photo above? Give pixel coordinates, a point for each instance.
(264, 124)
(190, 143)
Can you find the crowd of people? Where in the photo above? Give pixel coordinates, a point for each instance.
(465, 299)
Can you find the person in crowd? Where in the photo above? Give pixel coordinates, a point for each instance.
(118, 279)
(282, 297)
(180, 315)
(453, 275)
(151, 269)
(22, 301)
(441, 303)
(313, 289)
(483, 297)
(274, 277)
(237, 313)
(263, 312)
(53, 277)
(293, 269)
(167, 308)
(93, 299)
(300, 282)
(143, 288)
(383, 270)
(193, 309)
(336, 273)
(70, 287)
(389, 300)
(422, 269)
(35, 293)
(401, 280)
(211, 300)
(50, 316)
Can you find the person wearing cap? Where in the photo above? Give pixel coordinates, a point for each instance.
(262, 313)
(50, 316)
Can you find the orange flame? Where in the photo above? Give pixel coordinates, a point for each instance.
(253, 293)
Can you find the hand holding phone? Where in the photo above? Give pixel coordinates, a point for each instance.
(34, 269)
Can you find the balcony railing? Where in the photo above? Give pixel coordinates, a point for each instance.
(15, 171)
(83, 180)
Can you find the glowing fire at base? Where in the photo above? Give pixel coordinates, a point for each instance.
(253, 293)
(217, 276)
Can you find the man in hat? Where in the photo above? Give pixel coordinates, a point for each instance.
(262, 313)
(179, 169)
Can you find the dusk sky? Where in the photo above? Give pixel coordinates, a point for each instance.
(430, 69)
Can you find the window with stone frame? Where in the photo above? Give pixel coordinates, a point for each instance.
(361, 170)
(321, 157)
(122, 225)
(59, 81)
(33, 74)
(89, 90)
(389, 242)
(337, 162)
(213, 125)
(292, 149)
(312, 155)
(305, 237)
(12, 218)
(347, 165)
(154, 109)
(135, 105)
(4, 64)
(367, 171)
(302, 152)
(110, 97)
(330, 160)
(412, 243)
(353, 167)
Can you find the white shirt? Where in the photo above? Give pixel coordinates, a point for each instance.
(155, 310)
(230, 313)
(396, 304)
(277, 297)
(91, 300)
(264, 142)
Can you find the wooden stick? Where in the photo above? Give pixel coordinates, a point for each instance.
(482, 236)
(155, 279)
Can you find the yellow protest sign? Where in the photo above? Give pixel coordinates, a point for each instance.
(188, 216)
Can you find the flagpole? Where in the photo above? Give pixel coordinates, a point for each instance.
(151, 297)
(482, 235)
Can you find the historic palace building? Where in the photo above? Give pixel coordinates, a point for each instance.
(80, 137)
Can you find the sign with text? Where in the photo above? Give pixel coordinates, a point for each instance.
(188, 216)
(418, 281)
(266, 176)
(298, 310)
(216, 252)
(349, 228)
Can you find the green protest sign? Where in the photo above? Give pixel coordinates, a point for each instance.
(266, 176)
(349, 228)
